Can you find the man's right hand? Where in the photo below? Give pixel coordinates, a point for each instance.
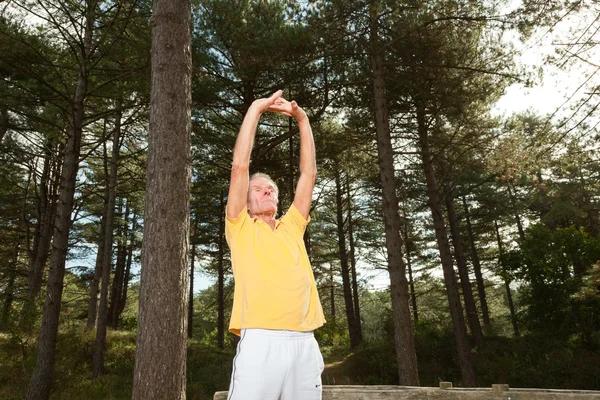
(263, 105)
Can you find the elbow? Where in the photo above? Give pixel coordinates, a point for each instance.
(238, 168)
(310, 173)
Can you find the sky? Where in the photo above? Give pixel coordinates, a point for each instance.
(551, 94)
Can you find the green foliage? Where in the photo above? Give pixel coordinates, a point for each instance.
(557, 268)
(208, 368)
(538, 361)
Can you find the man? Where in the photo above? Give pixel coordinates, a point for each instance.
(276, 305)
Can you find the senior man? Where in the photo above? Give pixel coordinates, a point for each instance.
(276, 305)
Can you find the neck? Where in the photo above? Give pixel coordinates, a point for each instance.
(268, 217)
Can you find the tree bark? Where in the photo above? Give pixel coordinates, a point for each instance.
(404, 341)
(190, 326)
(97, 280)
(332, 293)
(39, 256)
(413, 296)
(98, 367)
(465, 281)
(9, 291)
(343, 254)
(357, 319)
(41, 379)
(3, 122)
(160, 362)
(458, 323)
(221, 275)
(477, 268)
(126, 276)
(116, 291)
(511, 307)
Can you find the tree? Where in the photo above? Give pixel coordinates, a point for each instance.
(403, 337)
(160, 367)
(41, 380)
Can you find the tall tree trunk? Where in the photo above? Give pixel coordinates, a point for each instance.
(413, 296)
(9, 291)
(404, 341)
(98, 367)
(116, 291)
(97, 280)
(511, 307)
(465, 281)
(160, 367)
(40, 383)
(346, 286)
(3, 121)
(458, 323)
(126, 276)
(332, 293)
(477, 268)
(190, 326)
(221, 275)
(357, 319)
(37, 262)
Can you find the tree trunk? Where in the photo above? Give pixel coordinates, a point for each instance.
(190, 326)
(404, 340)
(116, 292)
(9, 291)
(346, 286)
(458, 323)
(126, 276)
(3, 122)
(407, 245)
(41, 379)
(477, 268)
(357, 319)
(98, 367)
(97, 280)
(465, 281)
(511, 307)
(332, 293)
(221, 275)
(160, 362)
(37, 262)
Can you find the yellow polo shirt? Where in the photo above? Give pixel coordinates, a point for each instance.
(274, 283)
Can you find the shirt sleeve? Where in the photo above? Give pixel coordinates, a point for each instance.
(294, 219)
(234, 225)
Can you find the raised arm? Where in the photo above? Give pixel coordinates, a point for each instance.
(308, 167)
(238, 186)
(308, 159)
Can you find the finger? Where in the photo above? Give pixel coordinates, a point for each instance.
(276, 95)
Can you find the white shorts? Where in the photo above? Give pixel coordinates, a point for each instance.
(276, 365)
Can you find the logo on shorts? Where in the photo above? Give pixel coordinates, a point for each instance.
(317, 386)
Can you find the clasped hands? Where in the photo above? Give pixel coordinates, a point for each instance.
(278, 104)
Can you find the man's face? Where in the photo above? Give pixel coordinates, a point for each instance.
(262, 197)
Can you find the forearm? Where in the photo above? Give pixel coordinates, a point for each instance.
(308, 169)
(238, 186)
(245, 139)
(308, 158)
